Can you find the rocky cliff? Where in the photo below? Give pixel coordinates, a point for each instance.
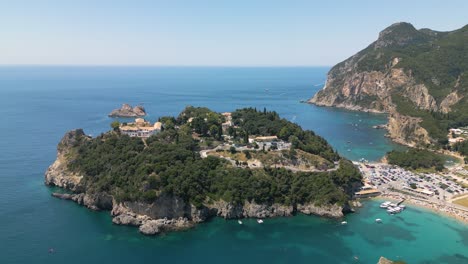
(128, 111)
(166, 212)
(58, 174)
(169, 213)
(416, 76)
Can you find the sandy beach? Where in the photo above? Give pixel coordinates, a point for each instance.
(444, 209)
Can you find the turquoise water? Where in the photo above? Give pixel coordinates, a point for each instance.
(38, 105)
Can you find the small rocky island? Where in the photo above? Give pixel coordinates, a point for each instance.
(128, 111)
(203, 164)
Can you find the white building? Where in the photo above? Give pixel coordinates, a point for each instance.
(140, 128)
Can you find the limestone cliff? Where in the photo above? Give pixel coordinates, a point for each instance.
(401, 74)
(58, 173)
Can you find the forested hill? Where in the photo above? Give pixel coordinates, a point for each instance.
(420, 77)
(132, 169)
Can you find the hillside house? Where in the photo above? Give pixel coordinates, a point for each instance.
(140, 128)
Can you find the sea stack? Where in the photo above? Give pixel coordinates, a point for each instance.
(128, 111)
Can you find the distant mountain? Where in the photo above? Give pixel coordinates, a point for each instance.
(419, 77)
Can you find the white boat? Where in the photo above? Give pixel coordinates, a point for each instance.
(393, 205)
(384, 205)
(394, 210)
(344, 223)
(378, 220)
(239, 221)
(260, 221)
(402, 206)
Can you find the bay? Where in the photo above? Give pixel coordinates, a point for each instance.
(39, 104)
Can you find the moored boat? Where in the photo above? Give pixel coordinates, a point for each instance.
(384, 205)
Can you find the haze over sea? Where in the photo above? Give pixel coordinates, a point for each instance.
(39, 104)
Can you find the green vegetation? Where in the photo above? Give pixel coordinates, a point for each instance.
(462, 148)
(115, 125)
(439, 60)
(416, 159)
(170, 163)
(266, 123)
(298, 158)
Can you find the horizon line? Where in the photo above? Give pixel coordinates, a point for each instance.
(162, 65)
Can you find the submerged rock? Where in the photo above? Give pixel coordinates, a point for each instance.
(383, 260)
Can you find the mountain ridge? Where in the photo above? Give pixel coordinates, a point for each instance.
(419, 77)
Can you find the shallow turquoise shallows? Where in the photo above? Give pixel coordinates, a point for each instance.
(39, 104)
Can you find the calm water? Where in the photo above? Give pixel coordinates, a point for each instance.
(38, 105)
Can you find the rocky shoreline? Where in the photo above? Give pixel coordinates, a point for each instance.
(166, 212)
(169, 213)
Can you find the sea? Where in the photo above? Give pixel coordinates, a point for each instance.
(38, 104)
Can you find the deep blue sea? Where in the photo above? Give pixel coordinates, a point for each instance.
(39, 104)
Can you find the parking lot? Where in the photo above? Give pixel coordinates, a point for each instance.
(388, 177)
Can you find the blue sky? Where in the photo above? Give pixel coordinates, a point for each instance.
(199, 32)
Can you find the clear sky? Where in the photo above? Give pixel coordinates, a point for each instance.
(200, 32)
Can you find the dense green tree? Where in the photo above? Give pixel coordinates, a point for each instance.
(170, 163)
(415, 159)
(115, 125)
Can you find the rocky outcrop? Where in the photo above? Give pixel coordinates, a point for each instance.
(148, 217)
(406, 130)
(153, 227)
(332, 211)
(58, 173)
(383, 260)
(95, 202)
(419, 95)
(169, 213)
(128, 111)
(449, 101)
(123, 215)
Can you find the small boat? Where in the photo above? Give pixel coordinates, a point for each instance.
(239, 221)
(378, 220)
(260, 221)
(344, 223)
(402, 206)
(385, 205)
